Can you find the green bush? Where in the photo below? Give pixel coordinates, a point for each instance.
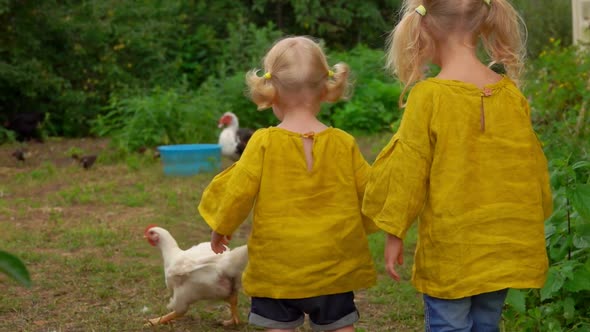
(371, 110)
(563, 304)
(557, 86)
(171, 116)
(374, 104)
(546, 19)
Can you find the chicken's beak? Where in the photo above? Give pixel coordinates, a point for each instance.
(220, 125)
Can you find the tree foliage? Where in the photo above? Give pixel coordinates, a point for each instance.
(68, 59)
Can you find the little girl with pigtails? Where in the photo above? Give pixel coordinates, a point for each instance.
(465, 162)
(308, 248)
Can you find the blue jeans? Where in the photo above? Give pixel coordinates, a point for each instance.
(478, 313)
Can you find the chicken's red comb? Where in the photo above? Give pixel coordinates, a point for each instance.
(225, 119)
(149, 226)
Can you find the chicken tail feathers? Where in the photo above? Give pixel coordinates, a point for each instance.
(234, 262)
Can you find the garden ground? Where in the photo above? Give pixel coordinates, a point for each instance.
(80, 234)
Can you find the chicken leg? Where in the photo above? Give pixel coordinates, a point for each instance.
(233, 306)
(162, 319)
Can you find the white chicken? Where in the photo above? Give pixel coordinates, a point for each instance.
(232, 138)
(198, 274)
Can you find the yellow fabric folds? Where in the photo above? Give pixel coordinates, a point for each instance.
(308, 235)
(481, 194)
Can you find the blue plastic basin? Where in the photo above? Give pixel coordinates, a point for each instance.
(190, 159)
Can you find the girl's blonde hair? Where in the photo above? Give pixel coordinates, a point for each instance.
(412, 43)
(297, 64)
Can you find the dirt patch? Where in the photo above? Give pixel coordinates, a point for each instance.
(55, 151)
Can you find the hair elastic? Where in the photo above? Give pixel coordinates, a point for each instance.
(488, 2)
(422, 10)
(267, 76)
(330, 73)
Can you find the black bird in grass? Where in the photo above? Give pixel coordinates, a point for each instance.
(85, 161)
(26, 125)
(19, 155)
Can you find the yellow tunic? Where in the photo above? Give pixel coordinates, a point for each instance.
(479, 185)
(308, 235)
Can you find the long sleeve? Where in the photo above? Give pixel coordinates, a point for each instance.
(230, 196)
(398, 185)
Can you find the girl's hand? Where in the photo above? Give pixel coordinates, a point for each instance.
(394, 253)
(219, 242)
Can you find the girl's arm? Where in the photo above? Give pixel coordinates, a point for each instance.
(228, 199)
(394, 254)
(398, 186)
(219, 242)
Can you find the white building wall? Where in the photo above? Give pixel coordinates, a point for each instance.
(581, 20)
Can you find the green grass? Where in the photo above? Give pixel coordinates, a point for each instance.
(80, 234)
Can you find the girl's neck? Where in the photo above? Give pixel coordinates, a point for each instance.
(301, 120)
(458, 61)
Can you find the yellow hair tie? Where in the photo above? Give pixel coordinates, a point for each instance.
(330, 73)
(267, 76)
(422, 10)
(488, 2)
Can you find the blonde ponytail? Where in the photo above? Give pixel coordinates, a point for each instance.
(260, 89)
(338, 86)
(409, 47)
(503, 34)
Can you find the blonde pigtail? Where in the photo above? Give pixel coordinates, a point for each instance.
(260, 89)
(503, 35)
(338, 86)
(409, 47)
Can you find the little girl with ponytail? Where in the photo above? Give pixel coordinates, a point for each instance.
(308, 249)
(465, 162)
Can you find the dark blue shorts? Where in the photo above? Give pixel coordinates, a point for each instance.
(326, 312)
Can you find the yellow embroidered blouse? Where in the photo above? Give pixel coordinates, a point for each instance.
(308, 236)
(468, 164)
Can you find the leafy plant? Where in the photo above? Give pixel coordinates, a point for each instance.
(372, 109)
(563, 304)
(14, 268)
(7, 136)
(172, 116)
(373, 106)
(557, 86)
(553, 16)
